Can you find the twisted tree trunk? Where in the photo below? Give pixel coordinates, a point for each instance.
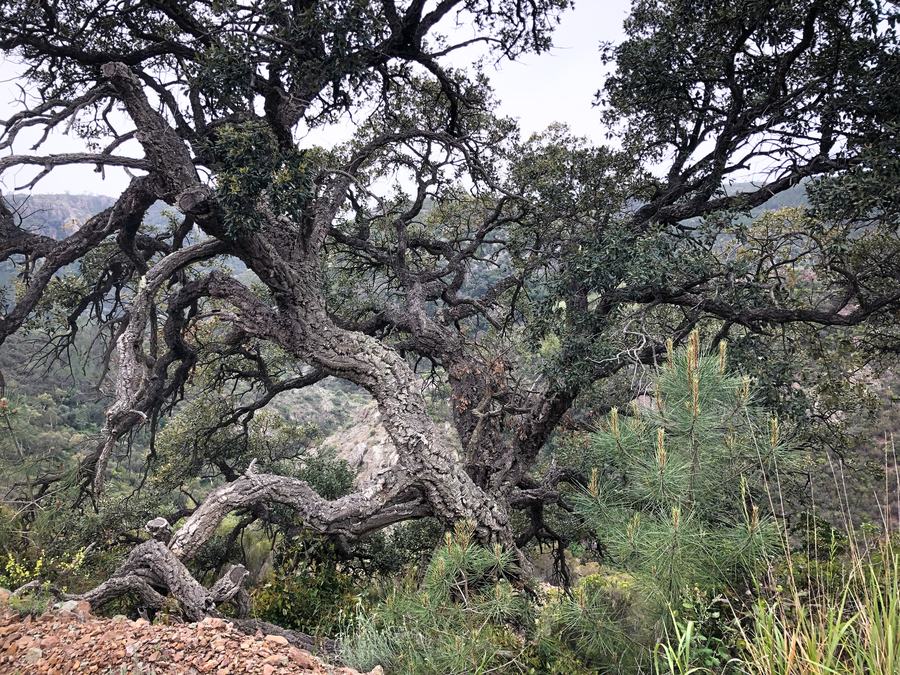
(287, 259)
(430, 476)
(152, 569)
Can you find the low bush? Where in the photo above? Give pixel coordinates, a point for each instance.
(311, 593)
(464, 616)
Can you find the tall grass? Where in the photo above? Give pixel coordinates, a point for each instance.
(676, 656)
(834, 609)
(828, 604)
(808, 632)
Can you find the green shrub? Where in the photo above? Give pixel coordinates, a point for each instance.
(32, 603)
(15, 571)
(463, 617)
(678, 491)
(311, 593)
(604, 621)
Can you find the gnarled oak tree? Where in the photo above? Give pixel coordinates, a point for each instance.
(524, 273)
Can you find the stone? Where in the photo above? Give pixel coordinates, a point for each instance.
(97, 645)
(25, 641)
(33, 655)
(4, 597)
(302, 659)
(213, 623)
(79, 608)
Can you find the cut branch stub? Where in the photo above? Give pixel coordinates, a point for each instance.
(159, 529)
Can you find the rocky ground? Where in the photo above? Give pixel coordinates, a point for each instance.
(72, 640)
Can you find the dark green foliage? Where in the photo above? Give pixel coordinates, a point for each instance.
(463, 616)
(679, 52)
(330, 477)
(315, 588)
(203, 436)
(459, 619)
(309, 590)
(252, 163)
(606, 621)
(396, 551)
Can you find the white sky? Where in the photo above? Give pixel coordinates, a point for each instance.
(557, 86)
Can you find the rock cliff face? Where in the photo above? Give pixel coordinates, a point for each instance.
(56, 216)
(365, 445)
(350, 423)
(71, 640)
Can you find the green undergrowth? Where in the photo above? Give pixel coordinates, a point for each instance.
(683, 556)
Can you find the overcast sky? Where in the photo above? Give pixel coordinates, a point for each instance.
(557, 86)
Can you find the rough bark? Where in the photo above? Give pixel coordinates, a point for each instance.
(132, 404)
(152, 569)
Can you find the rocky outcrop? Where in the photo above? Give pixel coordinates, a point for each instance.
(364, 444)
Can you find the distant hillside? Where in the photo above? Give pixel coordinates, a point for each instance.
(60, 215)
(795, 196)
